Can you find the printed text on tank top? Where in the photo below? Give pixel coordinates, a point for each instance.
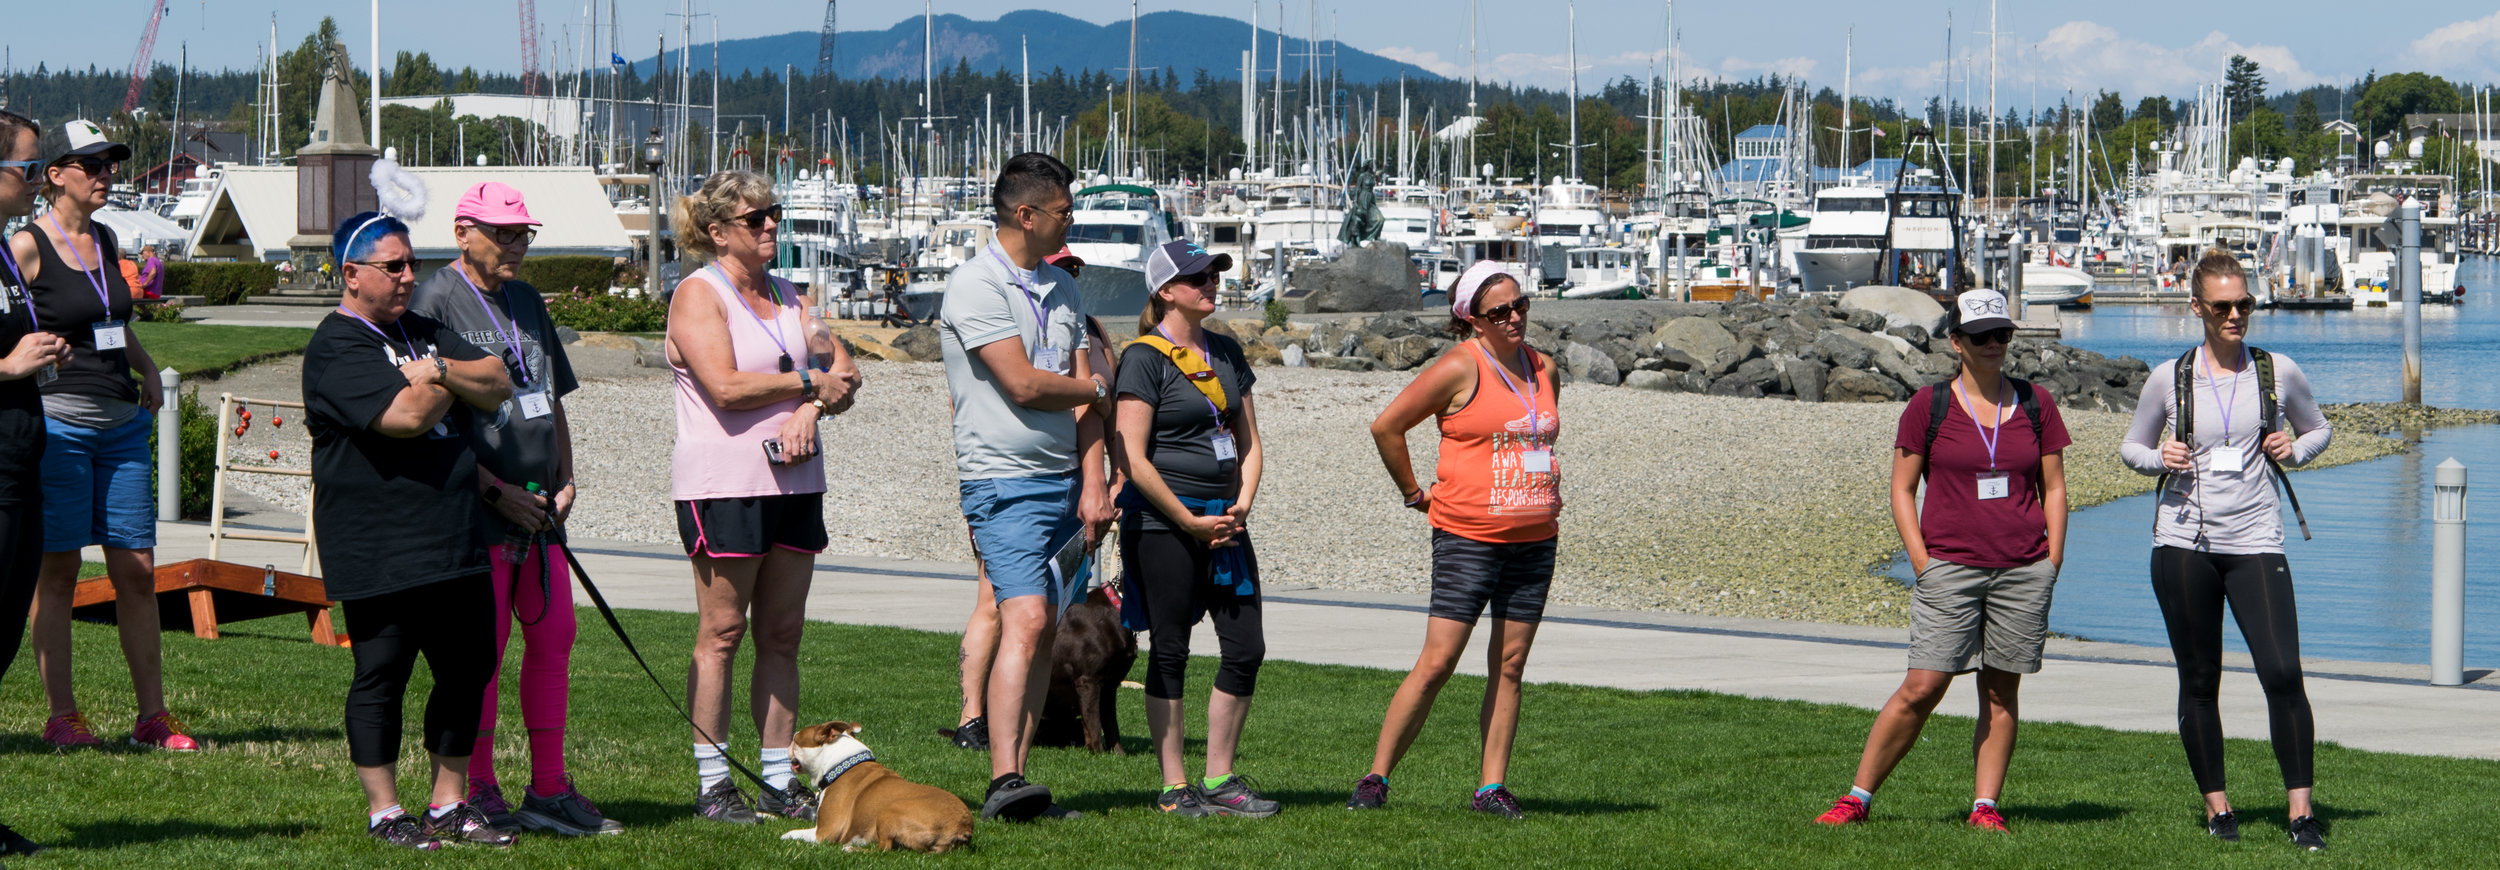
(1225, 448)
(1537, 458)
(1045, 356)
(442, 428)
(531, 398)
(773, 332)
(109, 334)
(2227, 460)
(17, 294)
(1993, 484)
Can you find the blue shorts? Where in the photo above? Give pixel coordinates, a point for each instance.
(1018, 523)
(99, 486)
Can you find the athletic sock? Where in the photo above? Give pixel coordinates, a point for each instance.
(710, 765)
(375, 820)
(436, 812)
(1169, 788)
(776, 764)
(1863, 796)
(1482, 790)
(1215, 782)
(1983, 802)
(1004, 780)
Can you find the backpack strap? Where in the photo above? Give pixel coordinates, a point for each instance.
(1192, 366)
(2268, 404)
(2029, 400)
(2183, 409)
(1935, 423)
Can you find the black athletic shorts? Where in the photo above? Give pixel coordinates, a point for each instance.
(748, 527)
(1469, 576)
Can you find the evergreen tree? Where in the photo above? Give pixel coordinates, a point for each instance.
(2242, 85)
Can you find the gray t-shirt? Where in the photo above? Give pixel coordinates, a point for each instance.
(514, 447)
(2235, 508)
(986, 301)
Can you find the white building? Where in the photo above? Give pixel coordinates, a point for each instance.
(252, 213)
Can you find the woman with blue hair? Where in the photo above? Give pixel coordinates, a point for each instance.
(403, 535)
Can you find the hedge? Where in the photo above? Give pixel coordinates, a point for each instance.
(220, 283)
(600, 311)
(554, 276)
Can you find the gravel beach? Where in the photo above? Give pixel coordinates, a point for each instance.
(1674, 502)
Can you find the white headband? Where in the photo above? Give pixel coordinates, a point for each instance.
(1463, 294)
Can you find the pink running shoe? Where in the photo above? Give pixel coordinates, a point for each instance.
(163, 731)
(1848, 810)
(1986, 818)
(70, 731)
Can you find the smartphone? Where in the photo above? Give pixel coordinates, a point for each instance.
(772, 452)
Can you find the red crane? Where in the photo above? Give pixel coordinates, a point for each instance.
(529, 48)
(147, 47)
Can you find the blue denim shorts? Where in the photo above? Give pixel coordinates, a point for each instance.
(1018, 523)
(99, 486)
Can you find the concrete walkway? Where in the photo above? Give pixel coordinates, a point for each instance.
(2365, 705)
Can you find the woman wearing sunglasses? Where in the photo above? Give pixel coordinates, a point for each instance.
(754, 376)
(30, 351)
(98, 469)
(1986, 543)
(2218, 533)
(1495, 504)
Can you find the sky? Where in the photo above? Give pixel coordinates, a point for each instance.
(2134, 47)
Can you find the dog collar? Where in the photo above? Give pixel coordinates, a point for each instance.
(836, 771)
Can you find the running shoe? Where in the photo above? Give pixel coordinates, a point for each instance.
(723, 802)
(1500, 802)
(1848, 810)
(163, 731)
(2223, 826)
(795, 803)
(974, 734)
(70, 731)
(466, 824)
(565, 812)
(488, 799)
(2307, 834)
(1986, 818)
(1016, 800)
(14, 843)
(1370, 793)
(1183, 800)
(404, 832)
(1239, 796)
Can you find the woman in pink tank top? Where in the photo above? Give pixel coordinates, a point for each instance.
(755, 373)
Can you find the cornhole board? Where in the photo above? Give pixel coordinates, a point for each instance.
(202, 594)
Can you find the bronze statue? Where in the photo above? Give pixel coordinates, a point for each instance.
(1362, 207)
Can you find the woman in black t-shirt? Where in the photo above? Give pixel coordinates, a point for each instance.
(1190, 444)
(30, 351)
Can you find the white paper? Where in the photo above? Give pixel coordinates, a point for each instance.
(1047, 359)
(1224, 449)
(534, 404)
(2229, 460)
(1536, 461)
(109, 336)
(1994, 485)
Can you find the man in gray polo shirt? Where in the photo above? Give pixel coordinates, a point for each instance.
(1013, 332)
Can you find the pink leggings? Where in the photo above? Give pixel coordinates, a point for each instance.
(547, 629)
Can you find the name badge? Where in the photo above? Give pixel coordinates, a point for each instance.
(1224, 449)
(109, 335)
(1994, 485)
(2230, 460)
(49, 374)
(534, 404)
(1536, 461)
(1048, 359)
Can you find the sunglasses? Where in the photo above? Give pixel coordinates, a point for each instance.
(1064, 215)
(754, 220)
(31, 170)
(95, 167)
(1207, 278)
(1516, 308)
(2244, 305)
(506, 236)
(392, 267)
(1993, 336)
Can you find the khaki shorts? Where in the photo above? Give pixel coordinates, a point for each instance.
(1962, 618)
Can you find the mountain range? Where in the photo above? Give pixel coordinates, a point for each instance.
(1181, 41)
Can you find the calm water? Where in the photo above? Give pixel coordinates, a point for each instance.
(2364, 582)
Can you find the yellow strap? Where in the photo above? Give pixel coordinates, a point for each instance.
(1192, 366)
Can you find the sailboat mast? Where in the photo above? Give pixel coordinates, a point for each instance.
(1573, 23)
(1848, 67)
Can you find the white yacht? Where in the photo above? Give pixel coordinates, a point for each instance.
(1300, 212)
(1115, 227)
(1845, 240)
(1568, 215)
(1410, 214)
(1601, 273)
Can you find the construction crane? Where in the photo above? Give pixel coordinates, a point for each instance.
(824, 52)
(529, 48)
(139, 63)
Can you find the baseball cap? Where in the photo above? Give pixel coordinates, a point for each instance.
(1981, 310)
(79, 138)
(1065, 258)
(1181, 257)
(495, 203)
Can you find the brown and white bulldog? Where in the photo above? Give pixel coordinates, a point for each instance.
(864, 803)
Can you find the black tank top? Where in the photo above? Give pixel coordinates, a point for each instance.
(65, 298)
(21, 408)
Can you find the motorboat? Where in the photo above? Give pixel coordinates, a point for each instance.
(1601, 273)
(1844, 242)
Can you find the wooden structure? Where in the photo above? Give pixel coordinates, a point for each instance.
(217, 531)
(203, 594)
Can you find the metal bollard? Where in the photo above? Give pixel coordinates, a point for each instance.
(169, 449)
(2448, 574)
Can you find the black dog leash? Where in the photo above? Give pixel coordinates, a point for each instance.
(556, 536)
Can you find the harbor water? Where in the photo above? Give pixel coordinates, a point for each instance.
(2364, 583)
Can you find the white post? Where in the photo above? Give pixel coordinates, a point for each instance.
(2409, 284)
(2448, 574)
(169, 449)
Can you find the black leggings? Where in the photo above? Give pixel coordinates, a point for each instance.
(2192, 588)
(451, 622)
(21, 554)
(1173, 574)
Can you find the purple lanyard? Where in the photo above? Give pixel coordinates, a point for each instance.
(1988, 435)
(24, 295)
(772, 332)
(403, 332)
(95, 276)
(2213, 382)
(1041, 326)
(511, 340)
(1529, 400)
(1219, 382)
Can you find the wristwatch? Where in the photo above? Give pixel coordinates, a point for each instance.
(441, 368)
(1101, 390)
(493, 493)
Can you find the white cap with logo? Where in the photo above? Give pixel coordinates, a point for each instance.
(1981, 311)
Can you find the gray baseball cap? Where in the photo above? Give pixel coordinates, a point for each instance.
(77, 139)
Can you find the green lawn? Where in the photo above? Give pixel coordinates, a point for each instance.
(1610, 778)
(208, 349)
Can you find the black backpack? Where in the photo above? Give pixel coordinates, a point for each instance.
(2024, 396)
(2183, 419)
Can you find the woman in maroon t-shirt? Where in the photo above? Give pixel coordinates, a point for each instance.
(1986, 544)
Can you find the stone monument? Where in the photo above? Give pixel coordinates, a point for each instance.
(332, 179)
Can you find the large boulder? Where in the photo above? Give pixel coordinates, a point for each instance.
(1656, 381)
(1378, 276)
(1703, 339)
(1403, 352)
(1841, 350)
(1805, 378)
(1851, 385)
(1293, 355)
(1582, 363)
(1261, 353)
(1899, 306)
(921, 342)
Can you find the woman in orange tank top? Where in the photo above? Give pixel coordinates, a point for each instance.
(1494, 507)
